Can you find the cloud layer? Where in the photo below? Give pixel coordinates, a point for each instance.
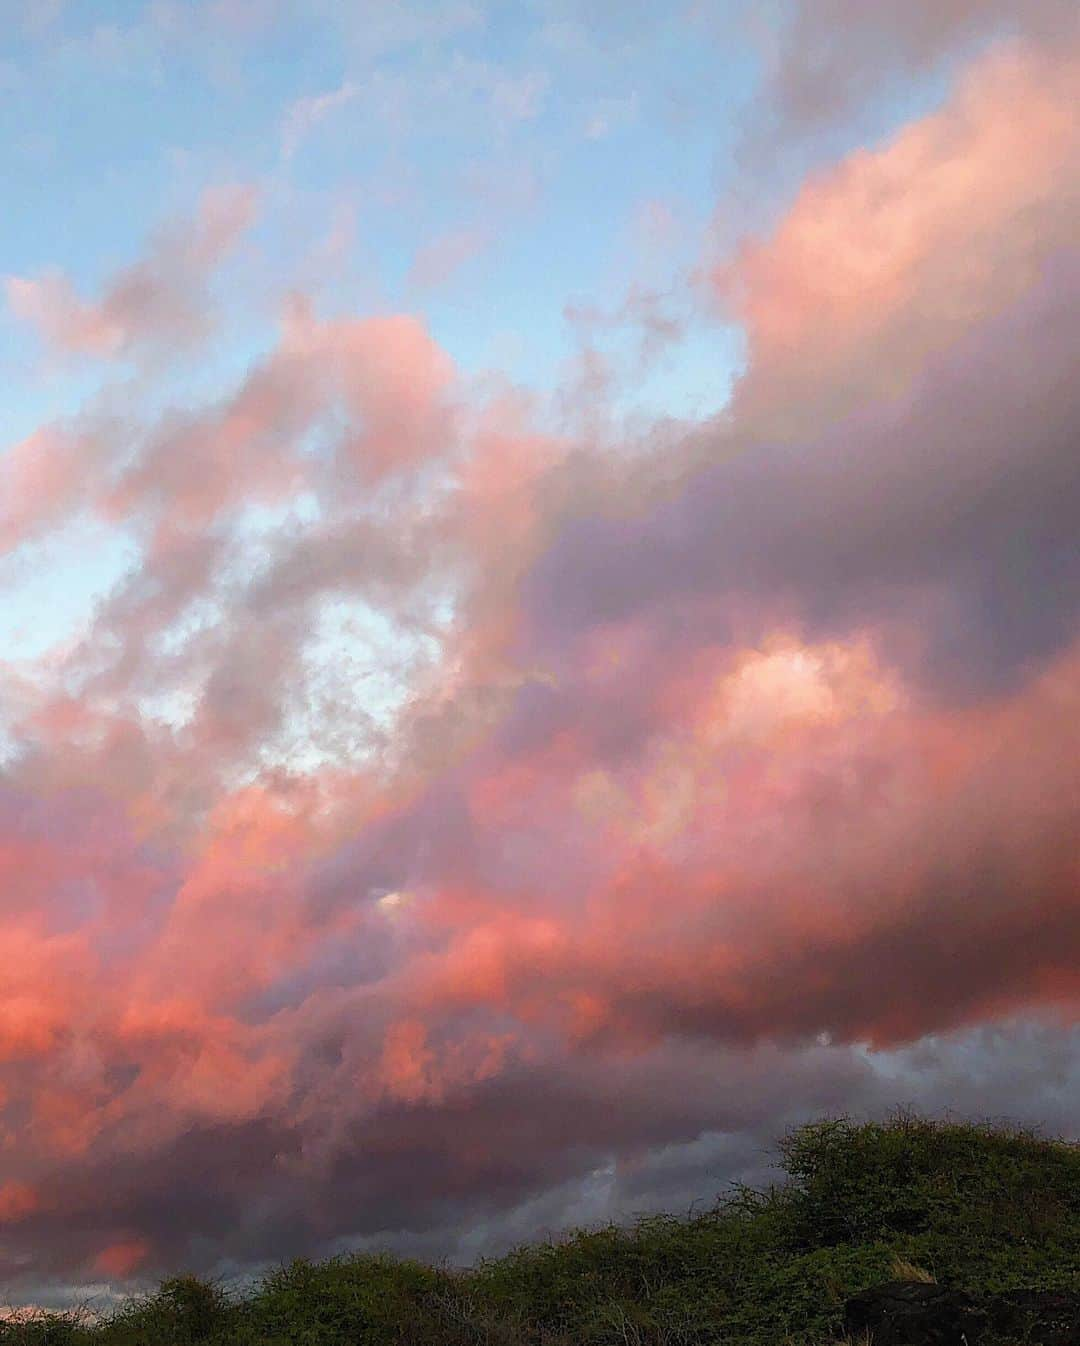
(453, 821)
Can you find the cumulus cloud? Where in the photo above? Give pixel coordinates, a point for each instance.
(896, 252)
(825, 59)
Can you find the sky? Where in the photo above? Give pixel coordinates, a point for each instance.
(539, 609)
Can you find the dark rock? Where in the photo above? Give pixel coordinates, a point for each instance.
(912, 1313)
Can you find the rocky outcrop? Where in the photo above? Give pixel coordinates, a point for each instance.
(913, 1313)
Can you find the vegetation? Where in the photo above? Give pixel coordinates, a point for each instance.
(966, 1204)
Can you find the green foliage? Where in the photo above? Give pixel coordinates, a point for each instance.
(354, 1299)
(979, 1207)
(184, 1312)
(47, 1329)
(983, 1207)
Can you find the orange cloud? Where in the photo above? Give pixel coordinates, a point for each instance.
(17, 1201)
(121, 1259)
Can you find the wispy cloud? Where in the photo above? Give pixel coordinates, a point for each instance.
(157, 303)
(306, 113)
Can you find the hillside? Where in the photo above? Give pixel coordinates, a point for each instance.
(966, 1204)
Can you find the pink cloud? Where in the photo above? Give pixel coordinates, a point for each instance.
(891, 254)
(396, 380)
(42, 480)
(156, 302)
(391, 381)
(437, 263)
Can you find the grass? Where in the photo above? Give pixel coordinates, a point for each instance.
(960, 1203)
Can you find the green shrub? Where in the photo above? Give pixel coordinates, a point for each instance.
(358, 1299)
(184, 1311)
